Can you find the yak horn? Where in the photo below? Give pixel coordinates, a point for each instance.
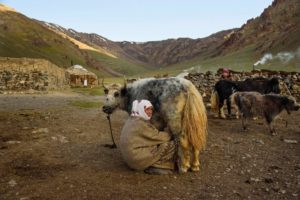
(103, 84)
(125, 81)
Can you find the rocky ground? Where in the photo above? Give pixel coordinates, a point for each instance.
(51, 149)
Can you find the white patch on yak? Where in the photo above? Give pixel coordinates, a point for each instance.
(140, 82)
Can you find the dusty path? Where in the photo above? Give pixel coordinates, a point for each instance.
(50, 149)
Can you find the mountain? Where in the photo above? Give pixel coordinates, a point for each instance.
(172, 51)
(21, 36)
(274, 33)
(276, 29)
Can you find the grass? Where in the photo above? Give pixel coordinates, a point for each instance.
(26, 38)
(242, 60)
(86, 104)
(97, 91)
(120, 65)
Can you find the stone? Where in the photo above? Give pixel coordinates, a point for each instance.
(290, 141)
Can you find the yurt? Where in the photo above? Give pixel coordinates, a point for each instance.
(81, 77)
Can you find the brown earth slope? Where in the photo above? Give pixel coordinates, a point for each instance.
(50, 149)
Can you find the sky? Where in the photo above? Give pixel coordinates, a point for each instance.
(143, 20)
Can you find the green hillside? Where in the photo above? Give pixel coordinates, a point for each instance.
(24, 37)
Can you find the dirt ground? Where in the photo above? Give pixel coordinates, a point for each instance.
(50, 149)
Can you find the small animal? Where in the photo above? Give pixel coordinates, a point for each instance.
(268, 106)
(224, 88)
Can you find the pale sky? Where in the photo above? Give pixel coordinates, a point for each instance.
(143, 20)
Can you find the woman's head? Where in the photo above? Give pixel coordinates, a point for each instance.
(142, 108)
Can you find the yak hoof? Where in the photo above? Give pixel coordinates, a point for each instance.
(222, 116)
(182, 170)
(195, 168)
(273, 133)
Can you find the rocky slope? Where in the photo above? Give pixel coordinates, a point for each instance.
(172, 51)
(276, 29)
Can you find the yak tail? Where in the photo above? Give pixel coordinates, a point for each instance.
(194, 122)
(214, 101)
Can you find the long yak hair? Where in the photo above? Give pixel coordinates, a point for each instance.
(194, 122)
(177, 105)
(214, 101)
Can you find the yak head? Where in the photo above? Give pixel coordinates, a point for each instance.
(113, 97)
(290, 104)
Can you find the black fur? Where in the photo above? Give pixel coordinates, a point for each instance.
(225, 88)
(269, 106)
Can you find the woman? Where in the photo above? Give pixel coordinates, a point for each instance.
(142, 146)
(226, 74)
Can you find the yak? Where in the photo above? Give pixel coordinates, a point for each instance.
(177, 106)
(224, 88)
(268, 106)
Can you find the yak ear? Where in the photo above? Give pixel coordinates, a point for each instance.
(124, 91)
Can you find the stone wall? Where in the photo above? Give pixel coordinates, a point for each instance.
(289, 82)
(23, 74)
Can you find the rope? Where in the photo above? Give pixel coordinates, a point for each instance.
(112, 146)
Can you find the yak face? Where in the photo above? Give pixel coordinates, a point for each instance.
(291, 104)
(112, 98)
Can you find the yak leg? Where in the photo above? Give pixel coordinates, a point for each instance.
(272, 129)
(237, 113)
(183, 161)
(221, 109)
(270, 124)
(173, 114)
(222, 114)
(184, 154)
(196, 162)
(244, 121)
(228, 102)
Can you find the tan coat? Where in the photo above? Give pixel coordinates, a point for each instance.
(142, 145)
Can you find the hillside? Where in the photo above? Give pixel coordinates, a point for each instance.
(114, 58)
(276, 31)
(172, 51)
(21, 36)
(270, 40)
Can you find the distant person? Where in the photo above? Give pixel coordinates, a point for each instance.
(85, 83)
(142, 146)
(226, 74)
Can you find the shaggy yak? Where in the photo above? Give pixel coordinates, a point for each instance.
(224, 88)
(177, 106)
(268, 106)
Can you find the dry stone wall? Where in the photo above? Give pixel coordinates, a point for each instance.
(289, 81)
(24, 74)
